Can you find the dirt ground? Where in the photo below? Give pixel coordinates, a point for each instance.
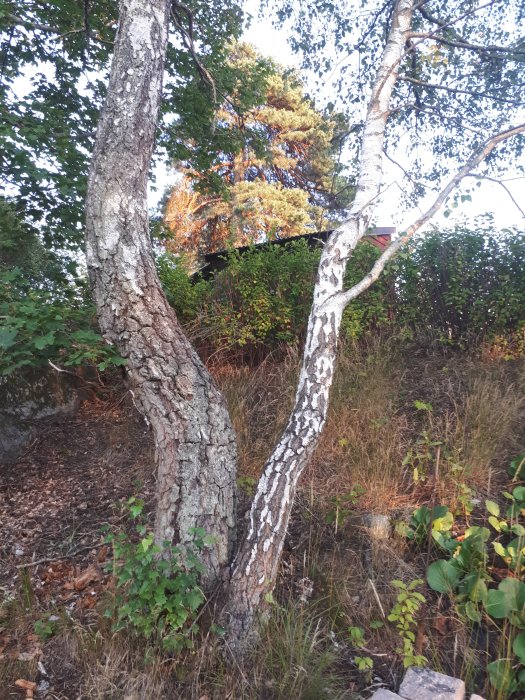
(75, 477)
(54, 501)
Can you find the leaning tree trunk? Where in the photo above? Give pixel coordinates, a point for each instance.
(255, 567)
(194, 441)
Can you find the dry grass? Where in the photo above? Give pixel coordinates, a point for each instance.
(474, 426)
(260, 401)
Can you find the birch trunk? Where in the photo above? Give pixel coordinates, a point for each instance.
(194, 440)
(256, 564)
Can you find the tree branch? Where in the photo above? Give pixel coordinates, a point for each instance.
(477, 48)
(344, 298)
(502, 184)
(447, 88)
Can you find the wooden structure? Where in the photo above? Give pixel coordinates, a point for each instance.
(214, 262)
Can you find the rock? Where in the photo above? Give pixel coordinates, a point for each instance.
(42, 687)
(384, 694)
(379, 526)
(28, 398)
(476, 697)
(424, 684)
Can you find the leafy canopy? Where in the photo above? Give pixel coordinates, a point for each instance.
(461, 79)
(54, 63)
(261, 165)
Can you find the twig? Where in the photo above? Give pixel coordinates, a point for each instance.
(374, 589)
(502, 183)
(46, 560)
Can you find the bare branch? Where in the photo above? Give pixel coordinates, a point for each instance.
(344, 298)
(447, 88)
(502, 184)
(477, 48)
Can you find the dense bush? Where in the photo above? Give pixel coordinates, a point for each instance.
(39, 325)
(456, 287)
(45, 313)
(463, 285)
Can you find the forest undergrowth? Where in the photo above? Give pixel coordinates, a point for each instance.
(408, 429)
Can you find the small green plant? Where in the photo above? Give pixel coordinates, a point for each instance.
(506, 603)
(403, 615)
(421, 458)
(341, 511)
(364, 663)
(157, 596)
(466, 577)
(357, 636)
(247, 484)
(39, 326)
(511, 551)
(46, 627)
(436, 522)
(517, 467)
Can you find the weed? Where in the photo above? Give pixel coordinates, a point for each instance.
(403, 615)
(340, 510)
(157, 596)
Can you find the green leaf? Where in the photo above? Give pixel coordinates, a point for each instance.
(443, 576)
(517, 466)
(7, 338)
(496, 524)
(493, 508)
(44, 340)
(499, 549)
(519, 493)
(518, 646)
(501, 676)
(508, 597)
(444, 523)
(472, 611)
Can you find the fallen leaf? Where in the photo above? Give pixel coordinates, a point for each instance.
(91, 574)
(441, 624)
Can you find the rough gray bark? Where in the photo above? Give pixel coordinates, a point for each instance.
(194, 440)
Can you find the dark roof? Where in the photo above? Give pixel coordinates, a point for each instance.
(214, 262)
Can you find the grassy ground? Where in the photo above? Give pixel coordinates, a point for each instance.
(406, 428)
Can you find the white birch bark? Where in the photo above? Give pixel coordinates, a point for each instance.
(255, 567)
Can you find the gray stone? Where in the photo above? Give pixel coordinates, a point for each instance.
(29, 398)
(424, 684)
(476, 697)
(384, 694)
(379, 526)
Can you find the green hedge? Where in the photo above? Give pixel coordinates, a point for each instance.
(455, 287)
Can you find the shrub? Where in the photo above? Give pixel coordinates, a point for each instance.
(157, 596)
(39, 325)
(462, 285)
(456, 287)
(187, 295)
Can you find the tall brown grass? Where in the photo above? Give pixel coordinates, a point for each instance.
(463, 413)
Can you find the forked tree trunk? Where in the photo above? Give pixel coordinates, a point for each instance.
(255, 567)
(194, 440)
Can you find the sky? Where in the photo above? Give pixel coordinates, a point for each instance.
(489, 198)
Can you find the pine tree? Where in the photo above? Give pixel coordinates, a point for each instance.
(267, 168)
